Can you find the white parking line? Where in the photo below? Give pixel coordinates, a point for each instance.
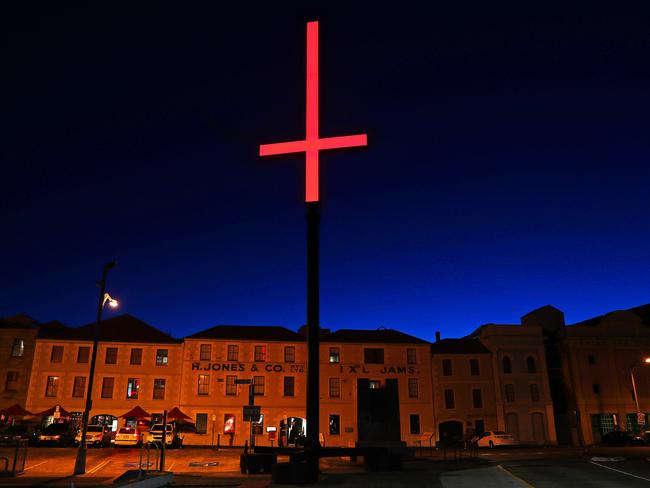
(99, 466)
(171, 466)
(620, 471)
(34, 465)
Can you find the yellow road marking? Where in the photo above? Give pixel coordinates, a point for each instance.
(99, 466)
(515, 476)
(34, 465)
(171, 466)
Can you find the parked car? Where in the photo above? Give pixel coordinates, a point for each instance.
(623, 438)
(28, 431)
(155, 434)
(494, 438)
(96, 435)
(60, 434)
(128, 436)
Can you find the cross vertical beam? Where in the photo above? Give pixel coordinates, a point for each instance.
(311, 115)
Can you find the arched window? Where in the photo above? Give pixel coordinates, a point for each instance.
(530, 364)
(507, 364)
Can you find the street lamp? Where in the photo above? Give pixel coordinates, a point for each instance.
(80, 462)
(639, 414)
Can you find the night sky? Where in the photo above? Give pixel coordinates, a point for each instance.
(507, 167)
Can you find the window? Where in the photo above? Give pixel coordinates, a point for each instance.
(204, 384)
(260, 353)
(374, 384)
(413, 388)
(335, 424)
(132, 388)
(335, 355)
(162, 355)
(592, 359)
(201, 423)
(107, 387)
(373, 356)
(257, 428)
(474, 368)
(159, 389)
(52, 387)
(289, 386)
(83, 354)
(18, 348)
(258, 385)
(57, 354)
(506, 364)
(446, 367)
(231, 386)
(111, 355)
(289, 354)
(477, 398)
(79, 387)
(510, 393)
(411, 355)
(335, 388)
(136, 356)
(228, 423)
(530, 364)
(206, 352)
(534, 392)
(596, 389)
(233, 353)
(414, 423)
(12, 381)
(449, 399)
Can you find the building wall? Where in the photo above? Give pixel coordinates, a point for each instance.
(15, 364)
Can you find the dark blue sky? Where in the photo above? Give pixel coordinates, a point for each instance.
(507, 165)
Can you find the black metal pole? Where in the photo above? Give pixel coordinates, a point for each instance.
(164, 442)
(80, 462)
(313, 314)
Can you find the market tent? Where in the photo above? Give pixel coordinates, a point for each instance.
(136, 412)
(52, 410)
(176, 414)
(15, 410)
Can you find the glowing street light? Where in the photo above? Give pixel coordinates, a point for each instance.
(640, 416)
(114, 303)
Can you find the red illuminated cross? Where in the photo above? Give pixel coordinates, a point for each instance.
(312, 143)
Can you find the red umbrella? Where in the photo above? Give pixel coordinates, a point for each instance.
(175, 413)
(16, 410)
(136, 412)
(50, 411)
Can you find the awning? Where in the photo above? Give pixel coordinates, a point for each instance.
(50, 411)
(136, 412)
(15, 410)
(175, 413)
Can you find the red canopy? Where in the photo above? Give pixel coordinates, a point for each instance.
(136, 412)
(50, 411)
(16, 410)
(175, 413)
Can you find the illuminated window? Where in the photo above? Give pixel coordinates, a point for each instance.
(446, 367)
(258, 426)
(289, 354)
(159, 389)
(83, 354)
(161, 357)
(258, 385)
(18, 348)
(111, 355)
(12, 381)
(233, 352)
(132, 388)
(201, 423)
(79, 387)
(206, 352)
(335, 355)
(136, 355)
(204, 384)
(450, 401)
(530, 364)
(506, 363)
(107, 387)
(231, 387)
(335, 424)
(374, 384)
(57, 354)
(289, 386)
(228, 423)
(474, 368)
(52, 387)
(413, 388)
(477, 398)
(414, 423)
(411, 355)
(260, 353)
(510, 393)
(335, 388)
(534, 392)
(373, 355)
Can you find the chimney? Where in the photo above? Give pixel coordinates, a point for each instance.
(437, 336)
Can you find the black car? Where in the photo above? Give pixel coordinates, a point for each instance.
(27, 431)
(61, 434)
(623, 438)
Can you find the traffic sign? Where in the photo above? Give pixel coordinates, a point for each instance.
(252, 413)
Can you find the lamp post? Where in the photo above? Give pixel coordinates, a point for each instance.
(636, 397)
(80, 462)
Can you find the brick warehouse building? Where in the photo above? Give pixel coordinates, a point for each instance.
(501, 377)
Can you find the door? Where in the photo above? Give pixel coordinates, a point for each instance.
(539, 428)
(378, 411)
(512, 424)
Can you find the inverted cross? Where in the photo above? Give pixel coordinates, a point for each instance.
(312, 144)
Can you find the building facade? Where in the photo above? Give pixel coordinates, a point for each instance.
(18, 338)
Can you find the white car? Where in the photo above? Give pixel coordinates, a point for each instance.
(96, 435)
(155, 434)
(128, 436)
(494, 438)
